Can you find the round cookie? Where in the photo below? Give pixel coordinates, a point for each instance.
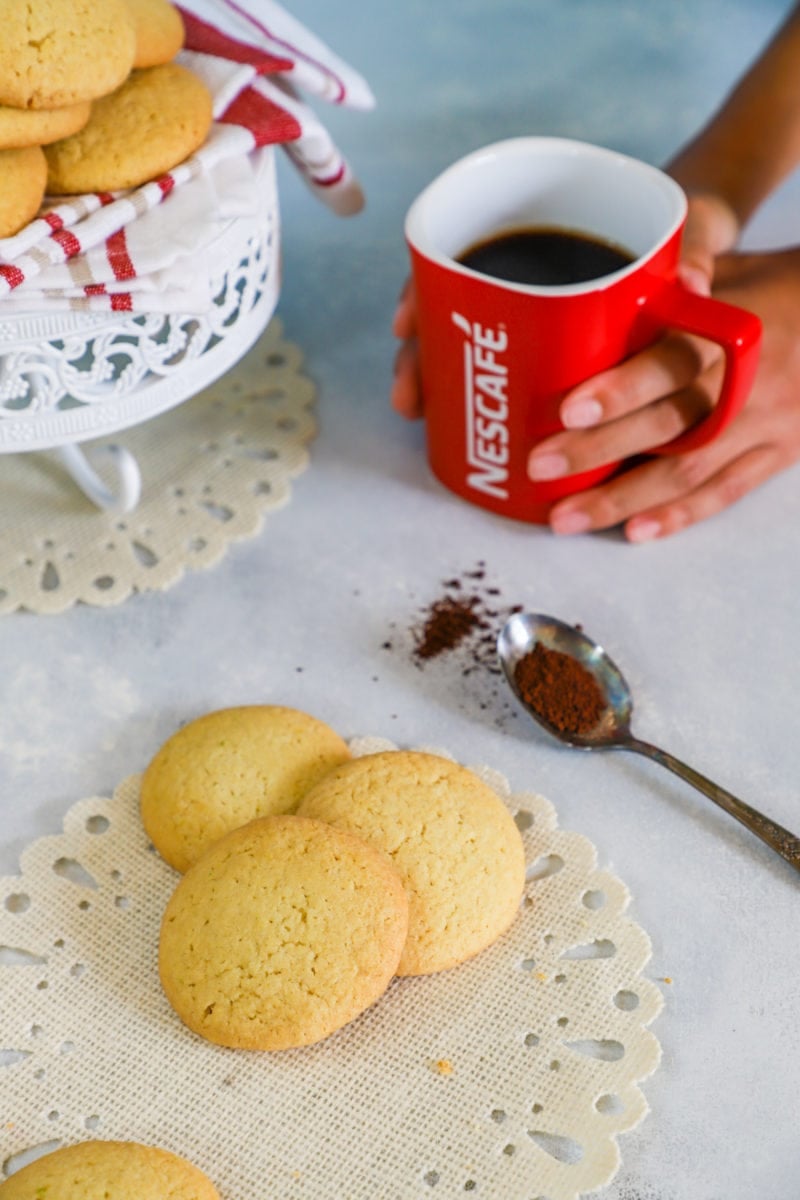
(146, 127)
(59, 52)
(22, 181)
(228, 767)
(283, 932)
(99, 1170)
(37, 127)
(452, 839)
(159, 31)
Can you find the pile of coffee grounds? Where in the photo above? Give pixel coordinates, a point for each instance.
(466, 616)
(448, 622)
(454, 637)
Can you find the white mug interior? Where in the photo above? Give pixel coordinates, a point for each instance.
(532, 182)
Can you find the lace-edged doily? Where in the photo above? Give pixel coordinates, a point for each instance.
(212, 468)
(509, 1076)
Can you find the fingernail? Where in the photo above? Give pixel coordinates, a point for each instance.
(643, 531)
(581, 413)
(695, 279)
(570, 522)
(547, 466)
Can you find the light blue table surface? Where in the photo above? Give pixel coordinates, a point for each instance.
(705, 625)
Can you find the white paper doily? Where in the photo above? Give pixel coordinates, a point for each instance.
(212, 468)
(509, 1077)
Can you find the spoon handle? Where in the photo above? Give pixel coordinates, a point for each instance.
(781, 840)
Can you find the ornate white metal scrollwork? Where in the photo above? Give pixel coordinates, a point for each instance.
(68, 377)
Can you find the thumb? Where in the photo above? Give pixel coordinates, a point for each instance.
(711, 229)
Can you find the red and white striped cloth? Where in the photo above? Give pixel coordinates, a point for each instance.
(137, 251)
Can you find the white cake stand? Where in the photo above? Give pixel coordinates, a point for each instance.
(66, 378)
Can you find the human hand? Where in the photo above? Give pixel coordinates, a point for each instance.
(406, 392)
(659, 393)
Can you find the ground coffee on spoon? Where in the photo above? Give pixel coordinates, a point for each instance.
(560, 689)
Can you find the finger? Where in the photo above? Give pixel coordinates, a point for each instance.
(608, 505)
(661, 369)
(665, 495)
(638, 490)
(404, 323)
(696, 267)
(711, 229)
(406, 390)
(723, 489)
(639, 432)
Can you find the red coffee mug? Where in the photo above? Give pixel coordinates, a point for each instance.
(497, 357)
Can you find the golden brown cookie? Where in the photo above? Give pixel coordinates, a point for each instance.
(22, 181)
(283, 932)
(223, 769)
(159, 31)
(59, 52)
(153, 122)
(37, 127)
(452, 839)
(100, 1170)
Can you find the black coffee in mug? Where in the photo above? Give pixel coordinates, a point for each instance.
(545, 256)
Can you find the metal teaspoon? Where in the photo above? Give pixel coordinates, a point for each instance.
(612, 731)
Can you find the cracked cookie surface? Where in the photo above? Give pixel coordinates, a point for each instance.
(155, 120)
(59, 52)
(39, 126)
(226, 768)
(97, 1170)
(452, 839)
(284, 931)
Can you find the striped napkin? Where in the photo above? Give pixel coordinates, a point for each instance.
(137, 251)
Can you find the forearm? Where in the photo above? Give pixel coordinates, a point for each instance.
(753, 141)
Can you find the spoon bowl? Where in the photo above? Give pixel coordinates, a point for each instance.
(523, 631)
(612, 731)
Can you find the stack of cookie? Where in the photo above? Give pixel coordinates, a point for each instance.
(91, 100)
(313, 878)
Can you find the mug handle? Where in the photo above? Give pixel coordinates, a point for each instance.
(737, 331)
